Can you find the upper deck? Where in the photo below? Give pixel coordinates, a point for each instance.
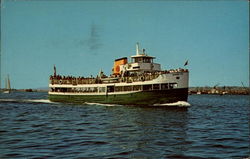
(141, 68)
(102, 79)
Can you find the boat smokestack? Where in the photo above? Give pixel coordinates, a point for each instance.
(137, 48)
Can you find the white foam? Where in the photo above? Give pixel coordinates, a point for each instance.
(8, 100)
(38, 100)
(179, 104)
(108, 105)
(27, 100)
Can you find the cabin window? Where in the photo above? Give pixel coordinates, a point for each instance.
(156, 87)
(78, 89)
(177, 77)
(110, 88)
(85, 89)
(82, 89)
(137, 87)
(136, 67)
(127, 88)
(146, 60)
(147, 87)
(138, 59)
(64, 89)
(101, 89)
(118, 89)
(93, 89)
(164, 86)
(173, 85)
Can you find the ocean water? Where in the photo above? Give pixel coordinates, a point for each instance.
(212, 127)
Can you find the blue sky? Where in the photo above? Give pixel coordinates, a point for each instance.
(81, 37)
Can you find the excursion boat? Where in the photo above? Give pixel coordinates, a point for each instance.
(139, 82)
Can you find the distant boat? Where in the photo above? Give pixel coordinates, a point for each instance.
(7, 85)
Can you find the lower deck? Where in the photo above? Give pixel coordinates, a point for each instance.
(149, 97)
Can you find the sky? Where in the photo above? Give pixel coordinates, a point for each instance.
(82, 37)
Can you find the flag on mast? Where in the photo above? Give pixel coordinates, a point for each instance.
(186, 63)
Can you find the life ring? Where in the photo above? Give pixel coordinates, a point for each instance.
(142, 78)
(60, 82)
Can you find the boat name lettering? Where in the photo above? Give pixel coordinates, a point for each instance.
(176, 74)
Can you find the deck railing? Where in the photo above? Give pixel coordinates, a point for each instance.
(112, 79)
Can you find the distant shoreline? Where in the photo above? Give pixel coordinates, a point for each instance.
(230, 90)
(28, 90)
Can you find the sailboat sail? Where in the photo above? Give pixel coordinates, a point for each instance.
(7, 85)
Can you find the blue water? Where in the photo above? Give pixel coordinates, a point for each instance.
(212, 127)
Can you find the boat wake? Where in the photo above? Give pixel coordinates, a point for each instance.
(39, 101)
(107, 105)
(175, 104)
(26, 101)
(46, 101)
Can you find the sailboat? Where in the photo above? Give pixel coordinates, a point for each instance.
(7, 85)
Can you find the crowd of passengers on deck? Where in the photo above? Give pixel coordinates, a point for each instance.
(126, 77)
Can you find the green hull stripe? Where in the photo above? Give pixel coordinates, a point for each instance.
(139, 98)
